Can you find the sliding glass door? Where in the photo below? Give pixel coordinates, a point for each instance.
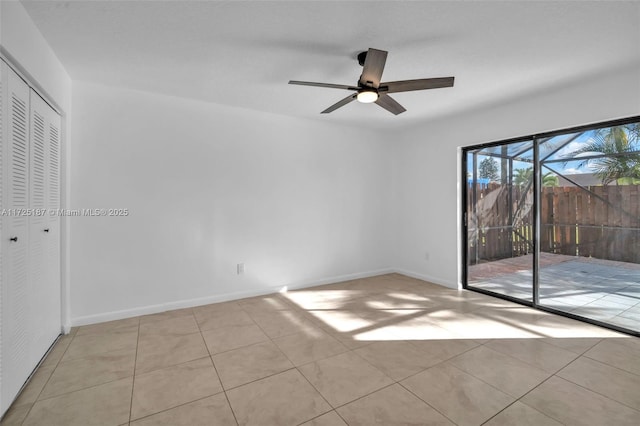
(554, 221)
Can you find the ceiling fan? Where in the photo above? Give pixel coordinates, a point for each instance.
(369, 89)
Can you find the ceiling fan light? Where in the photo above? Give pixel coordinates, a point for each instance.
(367, 96)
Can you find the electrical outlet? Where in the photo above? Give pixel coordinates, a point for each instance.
(240, 268)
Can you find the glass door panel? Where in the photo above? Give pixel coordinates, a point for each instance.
(590, 225)
(499, 215)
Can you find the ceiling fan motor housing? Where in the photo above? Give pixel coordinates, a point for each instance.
(362, 56)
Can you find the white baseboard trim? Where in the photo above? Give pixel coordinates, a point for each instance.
(341, 278)
(429, 278)
(190, 303)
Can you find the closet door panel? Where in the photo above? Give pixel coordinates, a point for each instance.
(37, 273)
(52, 254)
(44, 285)
(17, 361)
(3, 143)
(51, 319)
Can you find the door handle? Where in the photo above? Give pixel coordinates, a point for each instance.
(14, 239)
(46, 230)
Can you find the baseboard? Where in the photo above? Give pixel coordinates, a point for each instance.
(190, 303)
(340, 278)
(429, 278)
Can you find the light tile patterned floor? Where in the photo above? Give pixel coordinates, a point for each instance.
(602, 290)
(383, 350)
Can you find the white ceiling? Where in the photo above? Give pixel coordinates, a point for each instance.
(242, 53)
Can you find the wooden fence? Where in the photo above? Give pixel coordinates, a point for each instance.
(603, 222)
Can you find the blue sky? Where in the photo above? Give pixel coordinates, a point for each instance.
(571, 167)
(580, 140)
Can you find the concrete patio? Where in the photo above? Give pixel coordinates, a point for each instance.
(602, 290)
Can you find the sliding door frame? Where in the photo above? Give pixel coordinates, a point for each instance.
(537, 185)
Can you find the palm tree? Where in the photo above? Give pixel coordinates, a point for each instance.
(523, 176)
(621, 160)
(549, 179)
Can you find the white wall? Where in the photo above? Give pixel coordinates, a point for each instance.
(24, 46)
(299, 202)
(22, 40)
(427, 162)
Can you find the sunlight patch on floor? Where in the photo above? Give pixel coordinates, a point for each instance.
(406, 313)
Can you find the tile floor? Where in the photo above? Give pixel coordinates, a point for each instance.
(384, 350)
(602, 290)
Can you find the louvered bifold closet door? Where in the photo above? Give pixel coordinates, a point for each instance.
(53, 315)
(3, 142)
(16, 359)
(44, 280)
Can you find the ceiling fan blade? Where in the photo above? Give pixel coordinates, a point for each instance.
(420, 84)
(341, 103)
(329, 85)
(373, 67)
(390, 104)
